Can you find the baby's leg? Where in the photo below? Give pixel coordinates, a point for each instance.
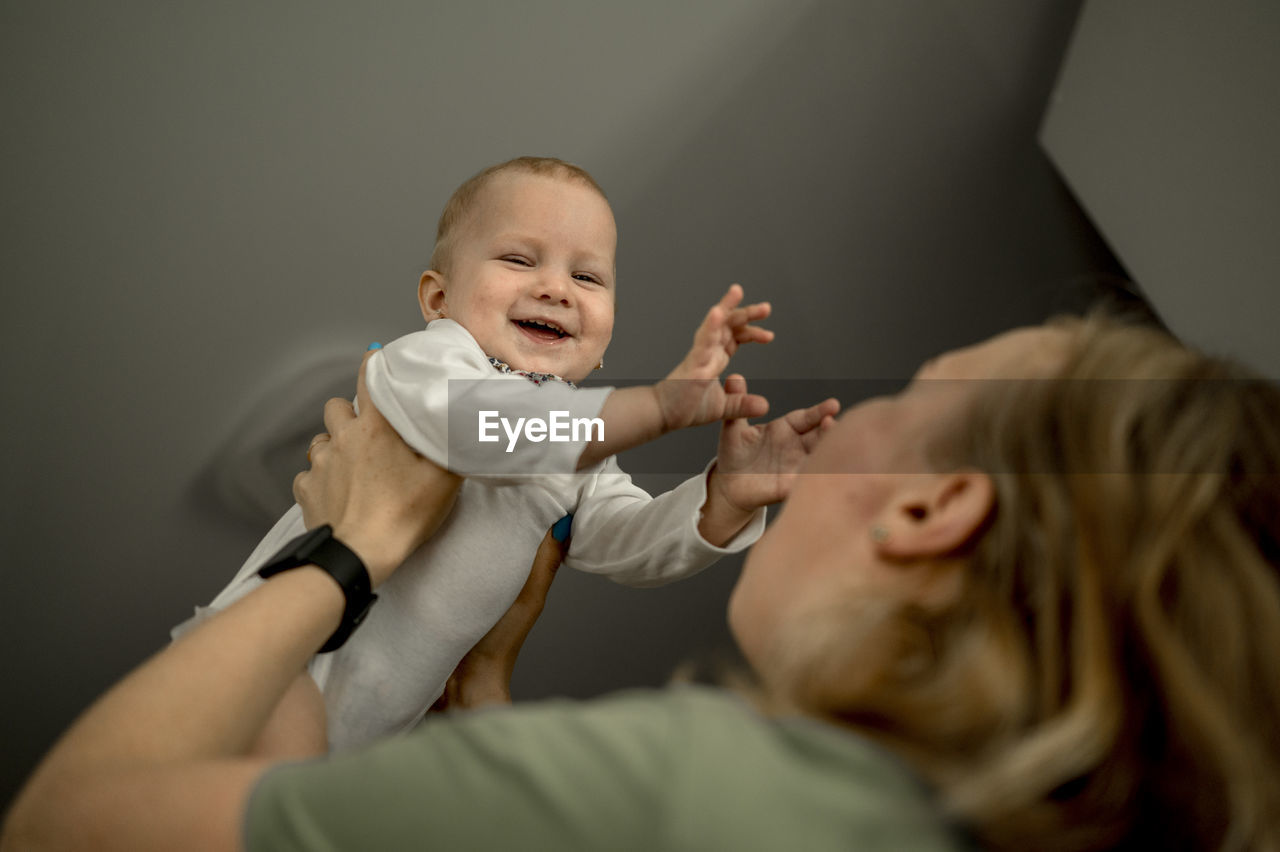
(296, 728)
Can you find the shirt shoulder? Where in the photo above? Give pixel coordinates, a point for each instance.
(682, 768)
(443, 344)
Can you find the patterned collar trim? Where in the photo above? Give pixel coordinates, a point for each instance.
(536, 378)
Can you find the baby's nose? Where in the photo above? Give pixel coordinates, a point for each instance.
(552, 289)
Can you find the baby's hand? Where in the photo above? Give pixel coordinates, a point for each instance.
(691, 395)
(756, 465)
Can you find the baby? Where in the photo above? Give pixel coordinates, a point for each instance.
(519, 303)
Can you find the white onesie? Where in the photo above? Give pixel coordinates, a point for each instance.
(455, 587)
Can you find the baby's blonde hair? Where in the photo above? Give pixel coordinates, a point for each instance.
(1111, 672)
(463, 200)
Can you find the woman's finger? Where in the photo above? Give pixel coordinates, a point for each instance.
(546, 561)
(337, 413)
(301, 482)
(316, 443)
(362, 388)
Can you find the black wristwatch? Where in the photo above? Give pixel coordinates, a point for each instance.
(318, 547)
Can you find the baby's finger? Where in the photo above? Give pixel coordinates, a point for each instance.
(731, 298)
(745, 405)
(735, 385)
(803, 420)
(810, 439)
(710, 324)
(750, 313)
(752, 334)
(711, 334)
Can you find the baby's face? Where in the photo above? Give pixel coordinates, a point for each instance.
(532, 275)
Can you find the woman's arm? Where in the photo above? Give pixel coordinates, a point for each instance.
(159, 761)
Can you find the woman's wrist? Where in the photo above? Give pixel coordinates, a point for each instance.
(380, 553)
(385, 535)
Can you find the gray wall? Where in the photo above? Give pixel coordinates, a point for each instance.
(1166, 124)
(199, 202)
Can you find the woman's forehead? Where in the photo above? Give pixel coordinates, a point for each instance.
(941, 386)
(1030, 352)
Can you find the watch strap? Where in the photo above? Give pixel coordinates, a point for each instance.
(319, 547)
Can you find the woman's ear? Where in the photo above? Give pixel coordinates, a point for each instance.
(431, 295)
(935, 515)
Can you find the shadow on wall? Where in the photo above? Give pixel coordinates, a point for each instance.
(250, 476)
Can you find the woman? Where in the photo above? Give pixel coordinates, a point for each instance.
(1040, 612)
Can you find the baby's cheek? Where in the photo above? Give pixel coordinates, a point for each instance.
(491, 304)
(602, 321)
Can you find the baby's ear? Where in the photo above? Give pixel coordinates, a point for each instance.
(431, 295)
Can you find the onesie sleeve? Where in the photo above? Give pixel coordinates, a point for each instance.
(438, 390)
(619, 530)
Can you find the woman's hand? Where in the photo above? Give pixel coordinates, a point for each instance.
(382, 499)
(484, 675)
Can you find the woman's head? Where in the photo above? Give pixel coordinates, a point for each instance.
(1085, 648)
(878, 471)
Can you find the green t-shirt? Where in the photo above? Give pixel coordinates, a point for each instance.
(681, 768)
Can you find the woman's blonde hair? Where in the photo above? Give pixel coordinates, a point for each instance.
(1110, 674)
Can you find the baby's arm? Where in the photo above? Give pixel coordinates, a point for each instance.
(643, 540)
(691, 395)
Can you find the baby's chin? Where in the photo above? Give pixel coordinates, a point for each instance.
(547, 365)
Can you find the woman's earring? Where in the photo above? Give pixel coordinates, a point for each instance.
(600, 366)
(879, 533)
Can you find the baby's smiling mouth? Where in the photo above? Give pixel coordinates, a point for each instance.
(542, 330)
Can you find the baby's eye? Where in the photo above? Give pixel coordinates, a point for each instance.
(515, 258)
(586, 276)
